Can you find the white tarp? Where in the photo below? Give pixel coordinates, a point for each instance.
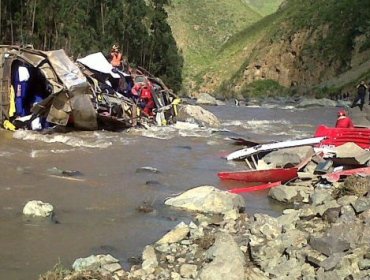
(98, 62)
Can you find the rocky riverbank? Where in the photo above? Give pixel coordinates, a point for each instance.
(325, 235)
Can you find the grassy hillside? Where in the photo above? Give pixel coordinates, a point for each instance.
(264, 8)
(202, 27)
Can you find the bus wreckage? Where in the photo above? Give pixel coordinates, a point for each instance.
(40, 89)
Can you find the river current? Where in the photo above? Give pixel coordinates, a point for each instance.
(96, 210)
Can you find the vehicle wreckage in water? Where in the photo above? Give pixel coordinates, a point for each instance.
(61, 92)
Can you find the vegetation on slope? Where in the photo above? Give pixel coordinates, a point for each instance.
(265, 7)
(337, 32)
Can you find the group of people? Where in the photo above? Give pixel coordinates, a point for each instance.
(141, 92)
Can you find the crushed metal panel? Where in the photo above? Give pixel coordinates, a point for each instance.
(60, 109)
(67, 71)
(83, 112)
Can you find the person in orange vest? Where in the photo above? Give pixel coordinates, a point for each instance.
(116, 57)
(343, 120)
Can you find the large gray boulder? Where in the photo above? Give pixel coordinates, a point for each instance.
(207, 199)
(227, 260)
(194, 113)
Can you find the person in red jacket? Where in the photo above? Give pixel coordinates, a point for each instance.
(343, 120)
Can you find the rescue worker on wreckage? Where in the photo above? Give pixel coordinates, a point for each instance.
(144, 96)
(115, 57)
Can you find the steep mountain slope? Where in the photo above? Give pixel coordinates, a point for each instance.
(306, 46)
(202, 27)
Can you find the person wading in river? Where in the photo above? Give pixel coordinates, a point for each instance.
(343, 120)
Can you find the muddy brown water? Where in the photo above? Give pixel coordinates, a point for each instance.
(96, 211)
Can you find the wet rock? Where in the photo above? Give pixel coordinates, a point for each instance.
(145, 207)
(147, 169)
(37, 208)
(227, 260)
(153, 183)
(207, 199)
(198, 114)
(175, 235)
(71, 173)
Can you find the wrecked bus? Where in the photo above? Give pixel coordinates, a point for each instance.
(47, 87)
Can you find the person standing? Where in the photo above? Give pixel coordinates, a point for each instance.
(361, 93)
(116, 57)
(343, 120)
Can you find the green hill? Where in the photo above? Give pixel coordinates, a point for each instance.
(201, 28)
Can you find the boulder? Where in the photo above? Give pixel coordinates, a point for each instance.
(227, 260)
(286, 193)
(207, 199)
(193, 113)
(37, 208)
(206, 99)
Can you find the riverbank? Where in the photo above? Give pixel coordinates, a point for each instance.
(326, 237)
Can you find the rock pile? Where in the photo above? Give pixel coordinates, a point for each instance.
(328, 237)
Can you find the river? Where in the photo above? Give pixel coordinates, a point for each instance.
(96, 211)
